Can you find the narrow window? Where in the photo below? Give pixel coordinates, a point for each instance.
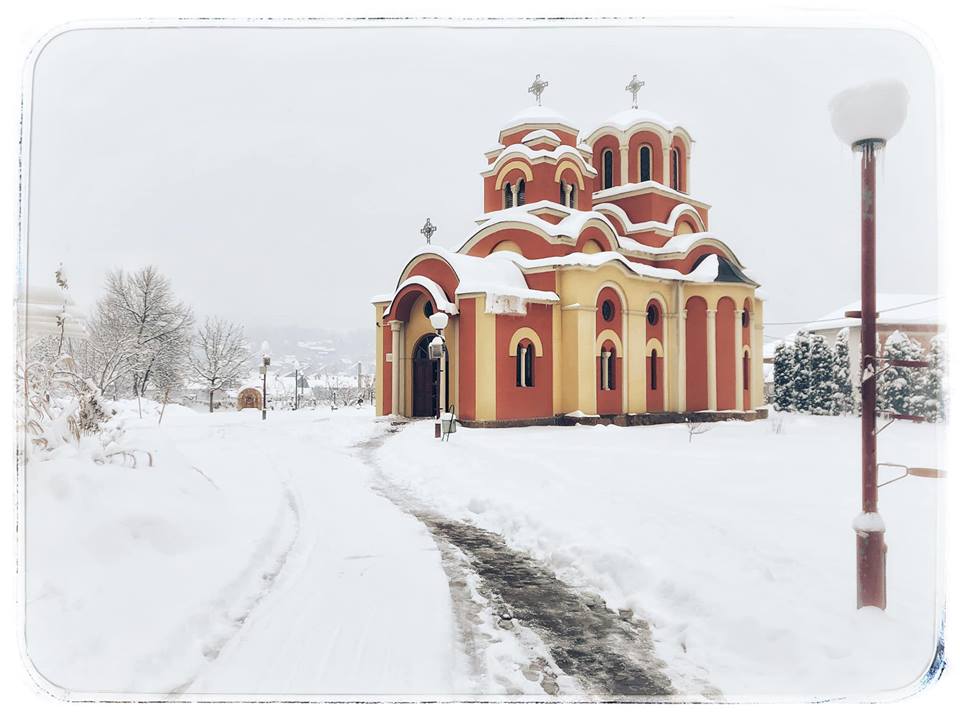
(653, 369)
(573, 195)
(612, 370)
(528, 368)
(644, 163)
(607, 169)
(521, 188)
(745, 319)
(746, 371)
(507, 196)
(563, 193)
(675, 180)
(520, 367)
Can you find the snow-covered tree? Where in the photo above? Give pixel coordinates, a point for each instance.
(933, 386)
(220, 355)
(803, 375)
(821, 384)
(783, 374)
(898, 388)
(150, 315)
(842, 402)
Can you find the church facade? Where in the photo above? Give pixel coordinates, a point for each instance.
(592, 287)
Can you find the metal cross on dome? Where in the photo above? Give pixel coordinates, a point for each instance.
(428, 230)
(634, 87)
(537, 88)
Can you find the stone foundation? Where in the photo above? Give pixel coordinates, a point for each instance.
(626, 420)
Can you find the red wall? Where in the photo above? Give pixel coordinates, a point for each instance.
(514, 402)
(604, 143)
(726, 355)
(467, 376)
(610, 402)
(696, 339)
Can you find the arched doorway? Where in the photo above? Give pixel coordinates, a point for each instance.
(426, 379)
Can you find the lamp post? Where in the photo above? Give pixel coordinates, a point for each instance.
(296, 385)
(438, 351)
(865, 118)
(265, 352)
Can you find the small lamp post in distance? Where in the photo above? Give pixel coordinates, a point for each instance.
(437, 351)
(265, 365)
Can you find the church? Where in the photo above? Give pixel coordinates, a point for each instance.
(592, 289)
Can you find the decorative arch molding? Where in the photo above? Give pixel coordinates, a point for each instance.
(746, 351)
(568, 165)
(542, 230)
(623, 136)
(526, 333)
(619, 292)
(414, 286)
(405, 274)
(659, 299)
(686, 211)
(604, 337)
(681, 210)
(654, 344)
(510, 167)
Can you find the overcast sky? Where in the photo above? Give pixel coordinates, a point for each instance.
(282, 175)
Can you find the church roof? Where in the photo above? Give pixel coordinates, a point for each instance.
(627, 119)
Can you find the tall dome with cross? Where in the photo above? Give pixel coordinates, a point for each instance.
(592, 289)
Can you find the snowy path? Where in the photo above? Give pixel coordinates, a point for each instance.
(361, 605)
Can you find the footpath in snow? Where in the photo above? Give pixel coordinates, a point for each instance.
(252, 558)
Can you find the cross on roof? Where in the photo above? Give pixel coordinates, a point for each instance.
(428, 230)
(537, 88)
(634, 87)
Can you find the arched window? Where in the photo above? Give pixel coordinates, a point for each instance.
(573, 196)
(745, 318)
(563, 193)
(507, 196)
(746, 371)
(526, 352)
(612, 369)
(427, 309)
(607, 169)
(521, 189)
(675, 175)
(653, 369)
(645, 157)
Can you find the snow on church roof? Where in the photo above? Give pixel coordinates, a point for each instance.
(541, 134)
(627, 119)
(538, 115)
(705, 272)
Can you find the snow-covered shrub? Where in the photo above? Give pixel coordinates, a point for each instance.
(783, 372)
(933, 388)
(898, 388)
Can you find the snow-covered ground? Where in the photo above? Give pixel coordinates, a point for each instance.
(264, 558)
(737, 546)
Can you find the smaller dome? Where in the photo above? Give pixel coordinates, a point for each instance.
(628, 118)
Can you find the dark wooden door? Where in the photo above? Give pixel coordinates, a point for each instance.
(424, 388)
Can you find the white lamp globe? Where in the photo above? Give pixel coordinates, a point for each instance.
(439, 320)
(873, 111)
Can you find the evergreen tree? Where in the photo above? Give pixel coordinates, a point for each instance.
(843, 401)
(803, 375)
(783, 372)
(898, 388)
(932, 383)
(822, 385)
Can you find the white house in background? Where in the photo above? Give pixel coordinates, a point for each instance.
(916, 316)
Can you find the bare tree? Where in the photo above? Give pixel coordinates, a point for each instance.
(220, 355)
(160, 325)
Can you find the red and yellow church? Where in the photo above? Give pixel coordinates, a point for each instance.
(591, 288)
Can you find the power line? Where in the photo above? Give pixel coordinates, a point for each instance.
(899, 307)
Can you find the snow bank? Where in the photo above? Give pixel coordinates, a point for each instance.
(134, 577)
(736, 547)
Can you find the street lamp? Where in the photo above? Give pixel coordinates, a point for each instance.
(296, 371)
(865, 118)
(437, 351)
(265, 352)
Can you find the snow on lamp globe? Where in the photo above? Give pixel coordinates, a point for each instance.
(865, 118)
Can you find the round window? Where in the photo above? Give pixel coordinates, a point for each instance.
(427, 309)
(745, 319)
(607, 310)
(653, 314)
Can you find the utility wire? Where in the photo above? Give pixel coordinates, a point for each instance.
(899, 307)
